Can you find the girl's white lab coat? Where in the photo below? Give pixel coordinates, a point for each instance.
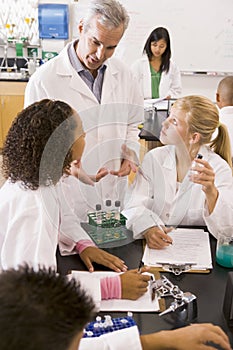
(34, 222)
(170, 83)
(107, 125)
(154, 198)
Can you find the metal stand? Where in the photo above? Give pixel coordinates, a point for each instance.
(184, 305)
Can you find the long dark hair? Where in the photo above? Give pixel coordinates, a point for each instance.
(156, 35)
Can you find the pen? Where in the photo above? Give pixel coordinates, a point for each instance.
(141, 264)
(160, 227)
(165, 240)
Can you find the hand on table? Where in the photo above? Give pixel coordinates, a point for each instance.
(99, 256)
(194, 337)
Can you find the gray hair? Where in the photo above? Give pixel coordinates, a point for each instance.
(110, 12)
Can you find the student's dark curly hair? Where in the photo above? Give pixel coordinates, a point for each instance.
(156, 35)
(28, 156)
(41, 309)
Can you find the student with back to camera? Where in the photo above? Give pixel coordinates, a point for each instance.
(165, 192)
(156, 73)
(53, 316)
(35, 215)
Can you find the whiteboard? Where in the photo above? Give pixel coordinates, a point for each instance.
(201, 32)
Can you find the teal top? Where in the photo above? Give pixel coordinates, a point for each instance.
(155, 81)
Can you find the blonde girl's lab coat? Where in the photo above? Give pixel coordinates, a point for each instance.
(154, 198)
(33, 223)
(107, 125)
(170, 83)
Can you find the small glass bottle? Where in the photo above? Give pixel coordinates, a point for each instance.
(117, 212)
(98, 214)
(108, 214)
(194, 164)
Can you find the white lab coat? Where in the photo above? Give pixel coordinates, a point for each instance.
(114, 341)
(32, 223)
(170, 83)
(154, 199)
(107, 125)
(226, 117)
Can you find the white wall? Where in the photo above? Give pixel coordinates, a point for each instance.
(200, 85)
(201, 36)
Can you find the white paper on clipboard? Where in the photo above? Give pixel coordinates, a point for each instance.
(190, 246)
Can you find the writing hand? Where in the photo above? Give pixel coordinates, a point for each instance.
(157, 238)
(134, 284)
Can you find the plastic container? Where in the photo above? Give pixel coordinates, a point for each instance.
(224, 251)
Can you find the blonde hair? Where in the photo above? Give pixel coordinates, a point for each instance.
(202, 117)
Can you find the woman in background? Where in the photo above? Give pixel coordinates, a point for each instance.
(158, 75)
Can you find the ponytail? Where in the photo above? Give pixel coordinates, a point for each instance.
(221, 144)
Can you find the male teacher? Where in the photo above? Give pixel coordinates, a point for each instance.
(103, 91)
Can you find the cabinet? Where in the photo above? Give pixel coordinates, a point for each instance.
(11, 102)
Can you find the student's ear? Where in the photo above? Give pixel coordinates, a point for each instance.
(195, 138)
(217, 97)
(80, 26)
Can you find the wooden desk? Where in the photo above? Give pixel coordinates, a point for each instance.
(208, 288)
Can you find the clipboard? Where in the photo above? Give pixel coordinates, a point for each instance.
(167, 261)
(177, 269)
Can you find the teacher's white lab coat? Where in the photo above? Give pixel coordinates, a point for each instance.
(33, 223)
(107, 125)
(154, 199)
(170, 83)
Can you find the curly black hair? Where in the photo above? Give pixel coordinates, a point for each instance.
(37, 148)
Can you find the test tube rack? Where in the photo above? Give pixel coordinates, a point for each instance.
(109, 230)
(107, 219)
